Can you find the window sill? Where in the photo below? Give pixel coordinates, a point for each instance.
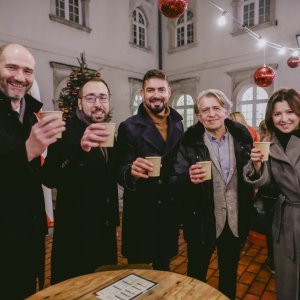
(139, 47)
(69, 23)
(240, 30)
(182, 48)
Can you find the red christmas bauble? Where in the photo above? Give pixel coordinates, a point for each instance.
(98, 74)
(264, 76)
(172, 8)
(293, 61)
(69, 84)
(78, 74)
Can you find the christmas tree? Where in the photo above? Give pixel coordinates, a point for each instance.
(69, 95)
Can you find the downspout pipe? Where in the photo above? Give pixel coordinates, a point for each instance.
(160, 56)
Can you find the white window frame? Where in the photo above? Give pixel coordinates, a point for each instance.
(254, 102)
(238, 13)
(63, 16)
(256, 16)
(66, 15)
(139, 27)
(184, 107)
(184, 27)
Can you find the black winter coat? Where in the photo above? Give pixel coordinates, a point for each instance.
(86, 213)
(197, 202)
(150, 224)
(22, 216)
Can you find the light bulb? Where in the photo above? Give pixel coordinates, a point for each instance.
(222, 20)
(262, 43)
(282, 51)
(295, 53)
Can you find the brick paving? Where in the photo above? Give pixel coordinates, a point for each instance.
(254, 280)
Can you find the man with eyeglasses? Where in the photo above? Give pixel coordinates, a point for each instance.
(86, 214)
(150, 224)
(214, 211)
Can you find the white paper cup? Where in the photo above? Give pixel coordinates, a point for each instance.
(111, 128)
(264, 147)
(58, 113)
(207, 166)
(156, 161)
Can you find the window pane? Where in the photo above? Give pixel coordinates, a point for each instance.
(189, 100)
(180, 101)
(139, 29)
(248, 95)
(189, 117)
(261, 94)
(260, 112)
(247, 111)
(180, 111)
(184, 29)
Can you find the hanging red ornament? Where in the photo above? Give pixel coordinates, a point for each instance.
(98, 74)
(264, 76)
(69, 84)
(293, 61)
(78, 74)
(172, 8)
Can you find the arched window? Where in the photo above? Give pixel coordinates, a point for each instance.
(185, 106)
(139, 28)
(136, 103)
(184, 30)
(252, 102)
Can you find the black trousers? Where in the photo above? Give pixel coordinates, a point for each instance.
(228, 247)
(157, 264)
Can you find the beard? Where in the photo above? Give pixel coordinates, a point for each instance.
(156, 109)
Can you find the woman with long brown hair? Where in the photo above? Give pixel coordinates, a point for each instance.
(283, 168)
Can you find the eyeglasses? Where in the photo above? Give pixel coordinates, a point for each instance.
(91, 99)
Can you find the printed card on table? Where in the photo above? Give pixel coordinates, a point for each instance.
(126, 288)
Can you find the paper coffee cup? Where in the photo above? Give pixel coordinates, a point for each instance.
(207, 166)
(264, 147)
(58, 113)
(110, 128)
(156, 161)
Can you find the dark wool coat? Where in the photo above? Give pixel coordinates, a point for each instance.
(149, 214)
(22, 215)
(197, 200)
(86, 214)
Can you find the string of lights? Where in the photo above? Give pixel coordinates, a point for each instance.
(262, 42)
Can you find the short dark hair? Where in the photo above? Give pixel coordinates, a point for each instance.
(291, 96)
(93, 80)
(154, 74)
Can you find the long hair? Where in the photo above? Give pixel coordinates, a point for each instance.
(291, 96)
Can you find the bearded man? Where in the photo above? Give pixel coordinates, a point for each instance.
(86, 214)
(150, 224)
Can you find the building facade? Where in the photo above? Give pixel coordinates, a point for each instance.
(125, 38)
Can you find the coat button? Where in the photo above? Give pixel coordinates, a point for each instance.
(107, 223)
(160, 181)
(107, 200)
(223, 208)
(159, 202)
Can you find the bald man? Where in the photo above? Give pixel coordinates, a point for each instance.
(22, 140)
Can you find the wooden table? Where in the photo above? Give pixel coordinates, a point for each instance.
(170, 286)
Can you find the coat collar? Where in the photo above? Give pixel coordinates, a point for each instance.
(152, 135)
(195, 133)
(291, 155)
(32, 104)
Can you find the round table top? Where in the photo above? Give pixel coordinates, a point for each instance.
(170, 286)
